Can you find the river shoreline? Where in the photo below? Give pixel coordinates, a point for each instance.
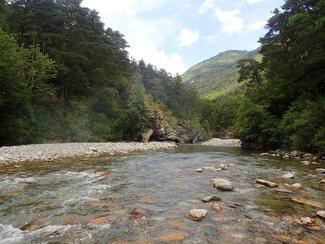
(51, 152)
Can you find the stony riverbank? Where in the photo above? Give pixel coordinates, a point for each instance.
(223, 142)
(49, 152)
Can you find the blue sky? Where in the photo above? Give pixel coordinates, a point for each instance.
(176, 34)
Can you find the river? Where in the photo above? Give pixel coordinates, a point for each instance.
(146, 198)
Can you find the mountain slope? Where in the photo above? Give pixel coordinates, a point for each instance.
(218, 74)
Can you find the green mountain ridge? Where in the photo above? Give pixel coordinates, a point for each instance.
(218, 74)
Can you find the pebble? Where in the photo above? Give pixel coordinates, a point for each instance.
(211, 199)
(222, 184)
(295, 186)
(267, 183)
(198, 214)
(288, 176)
(321, 214)
(216, 207)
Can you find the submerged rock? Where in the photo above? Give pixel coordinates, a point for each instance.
(321, 214)
(99, 221)
(211, 199)
(288, 176)
(266, 183)
(309, 202)
(198, 214)
(173, 236)
(211, 169)
(216, 207)
(222, 184)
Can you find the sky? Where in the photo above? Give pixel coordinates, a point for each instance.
(177, 34)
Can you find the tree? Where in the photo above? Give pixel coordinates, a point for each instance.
(15, 106)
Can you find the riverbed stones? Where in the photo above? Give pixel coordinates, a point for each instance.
(211, 199)
(266, 183)
(305, 221)
(101, 220)
(222, 184)
(321, 214)
(198, 214)
(309, 202)
(173, 236)
(288, 176)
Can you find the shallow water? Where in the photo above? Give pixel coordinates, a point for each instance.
(93, 200)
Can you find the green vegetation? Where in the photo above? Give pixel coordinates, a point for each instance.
(282, 100)
(64, 77)
(218, 75)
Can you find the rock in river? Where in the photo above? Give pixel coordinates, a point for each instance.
(320, 170)
(321, 214)
(222, 184)
(211, 199)
(305, 221)
(267, 183)
(295, 186)
(288, 176)
(198, 214)
(216, 207)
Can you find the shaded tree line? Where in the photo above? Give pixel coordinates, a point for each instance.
(65, 77)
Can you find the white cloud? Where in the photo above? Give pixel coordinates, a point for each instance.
(253, 1)
(145, 36)
(230, 20)
(187, 37)
(206, 6)
(258, 25)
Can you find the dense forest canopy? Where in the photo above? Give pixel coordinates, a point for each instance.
(65, 77)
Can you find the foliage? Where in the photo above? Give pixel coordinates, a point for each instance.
(287, 87)
(65, 77)
(303, 125)
(15, 105)
(255, 126)
(213, 76)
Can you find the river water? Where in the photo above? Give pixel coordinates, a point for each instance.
(146, 198)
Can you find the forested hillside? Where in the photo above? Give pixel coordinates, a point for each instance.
(219, 74)
(282, 102)
(65, 77)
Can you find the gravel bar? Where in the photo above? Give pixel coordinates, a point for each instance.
(223, 142)
(49, 152)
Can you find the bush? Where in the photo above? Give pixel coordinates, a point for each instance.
(255, 126)
(303, 127)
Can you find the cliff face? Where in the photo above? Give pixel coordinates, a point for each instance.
(179, 131)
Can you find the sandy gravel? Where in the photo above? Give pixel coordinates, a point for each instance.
(48, 152)
(223, 142)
